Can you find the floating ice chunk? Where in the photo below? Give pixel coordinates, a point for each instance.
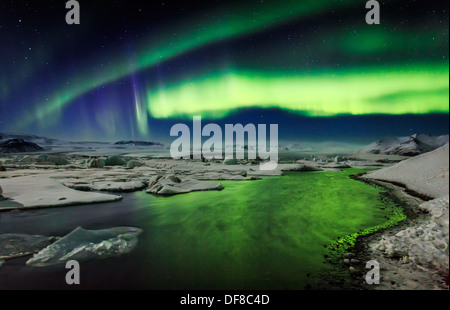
(173, 185)
(43, 192)
(82, 245)
(18, 245)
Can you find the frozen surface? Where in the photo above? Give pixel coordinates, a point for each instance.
(40, 191)
(426, 174)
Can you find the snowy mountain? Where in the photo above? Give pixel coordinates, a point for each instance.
(28, 138)
(18, 146)
(406, 146)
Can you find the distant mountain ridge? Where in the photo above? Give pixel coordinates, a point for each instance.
(18, 143)
(414, 145)
(139, 143)
(19, 146)
(28, 138)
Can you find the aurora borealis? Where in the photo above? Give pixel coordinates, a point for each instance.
(347, 93)
(130, 70)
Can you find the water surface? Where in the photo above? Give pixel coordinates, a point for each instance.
(267, 234)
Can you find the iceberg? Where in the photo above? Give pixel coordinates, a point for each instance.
(83, 245)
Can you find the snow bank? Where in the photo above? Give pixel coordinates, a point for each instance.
(427, 174)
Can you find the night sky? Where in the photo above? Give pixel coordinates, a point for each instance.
(132, 69)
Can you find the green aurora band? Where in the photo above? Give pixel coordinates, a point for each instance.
(419, 90)
(181, 38)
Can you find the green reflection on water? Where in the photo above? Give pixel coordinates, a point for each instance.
(268, 234)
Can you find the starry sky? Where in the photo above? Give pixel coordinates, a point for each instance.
(132, 69)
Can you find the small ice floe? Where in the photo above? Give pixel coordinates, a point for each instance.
(42, 192)
(108, 186)
(173, 185)
(82, 245)
(19, 245)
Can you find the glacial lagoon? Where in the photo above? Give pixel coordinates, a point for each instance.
(265, 234)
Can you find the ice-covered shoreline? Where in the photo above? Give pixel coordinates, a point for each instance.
(415, 255)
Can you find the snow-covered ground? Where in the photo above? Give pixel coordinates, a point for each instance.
(426, 174)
